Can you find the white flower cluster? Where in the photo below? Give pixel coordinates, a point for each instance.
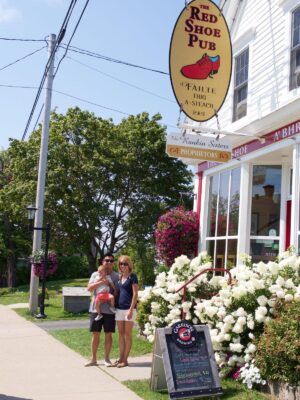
(236, 314)
(250, 374)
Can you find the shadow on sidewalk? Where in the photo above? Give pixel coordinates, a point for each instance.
(145, 364)
(4, 397)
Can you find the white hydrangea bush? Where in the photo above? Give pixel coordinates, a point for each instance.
(236, 314)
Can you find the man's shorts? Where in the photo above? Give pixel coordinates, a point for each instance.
(108, 322)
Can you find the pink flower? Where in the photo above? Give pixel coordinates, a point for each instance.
(51, 267)
(176, 234)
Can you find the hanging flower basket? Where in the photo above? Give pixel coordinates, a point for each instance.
(176, 233)
(39, 264)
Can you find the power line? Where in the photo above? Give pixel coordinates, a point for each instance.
(22, 58)
(56, 44)
(120, 80)
(21, 40)
(106, 58)
(91, 54)
(19, 87)
(92, 103)
(75, 29)
(80, 99)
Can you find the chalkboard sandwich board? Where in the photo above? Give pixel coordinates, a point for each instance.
(184, 363)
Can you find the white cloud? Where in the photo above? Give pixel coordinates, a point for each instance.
(8, 13)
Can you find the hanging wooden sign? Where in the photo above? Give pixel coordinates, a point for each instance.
(200, 60)
(197, 147)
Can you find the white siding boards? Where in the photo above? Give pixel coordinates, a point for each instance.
(264, 29)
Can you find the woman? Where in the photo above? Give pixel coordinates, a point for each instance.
(127, 287)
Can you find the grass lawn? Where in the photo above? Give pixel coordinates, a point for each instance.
(80, 339)
(53, 304)
(232, 391)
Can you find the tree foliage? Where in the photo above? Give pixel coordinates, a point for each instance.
(14, 239)
(106, 182)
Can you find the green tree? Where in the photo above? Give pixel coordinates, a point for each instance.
(14, 240)
(106, 182)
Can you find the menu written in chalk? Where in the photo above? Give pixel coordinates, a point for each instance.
(184, 363)
(190, 366)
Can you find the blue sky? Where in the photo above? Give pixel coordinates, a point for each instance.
(134, 31)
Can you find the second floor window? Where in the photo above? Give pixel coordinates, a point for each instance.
(295, 50)
(240, 85)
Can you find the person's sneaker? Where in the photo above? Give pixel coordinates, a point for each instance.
(108, 363)
(113, 310)
(99, 316)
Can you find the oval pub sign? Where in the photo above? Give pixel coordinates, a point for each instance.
(200, 60)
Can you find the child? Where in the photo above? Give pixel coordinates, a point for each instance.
(103, 293)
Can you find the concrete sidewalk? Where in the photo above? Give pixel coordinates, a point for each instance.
(36, 366)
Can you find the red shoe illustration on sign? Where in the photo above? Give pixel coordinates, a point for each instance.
(203, 68)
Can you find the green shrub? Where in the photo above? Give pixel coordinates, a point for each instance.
(6, 291)
(278, 348)
(71, 267)
(23, 271)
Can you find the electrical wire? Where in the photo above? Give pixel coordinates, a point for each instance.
(92, 103)
(120, 80)
(21, 40)
(22, 58)
(91, 54)
(75, 29)
(37, 120)
(80, 99)
(106, 58)
(56, 44)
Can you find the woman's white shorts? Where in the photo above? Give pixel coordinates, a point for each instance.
(121, 315)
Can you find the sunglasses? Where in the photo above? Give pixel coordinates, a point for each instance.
(124, 263)
(109, 261)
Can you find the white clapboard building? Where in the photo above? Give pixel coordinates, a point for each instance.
(250, 204)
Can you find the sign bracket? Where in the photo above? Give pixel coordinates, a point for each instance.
(204, 130)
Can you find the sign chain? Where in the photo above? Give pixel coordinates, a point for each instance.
(179, 116)
(218, 125)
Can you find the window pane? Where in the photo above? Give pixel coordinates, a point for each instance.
(266, 189)
(240, 85)
(210, 246)
(212, 211)
(223, 204)
(242, 93)
(241, 68)
(296, 28)
(234, 202)
(231, 253)
(220, 254)
(263, 250)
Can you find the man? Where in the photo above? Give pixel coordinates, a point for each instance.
(108, 321)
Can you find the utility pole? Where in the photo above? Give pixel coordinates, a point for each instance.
(40, 192)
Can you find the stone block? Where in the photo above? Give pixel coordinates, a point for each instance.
(76, 299)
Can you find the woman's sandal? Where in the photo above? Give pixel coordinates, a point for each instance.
(115, 364)
(122, 365)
